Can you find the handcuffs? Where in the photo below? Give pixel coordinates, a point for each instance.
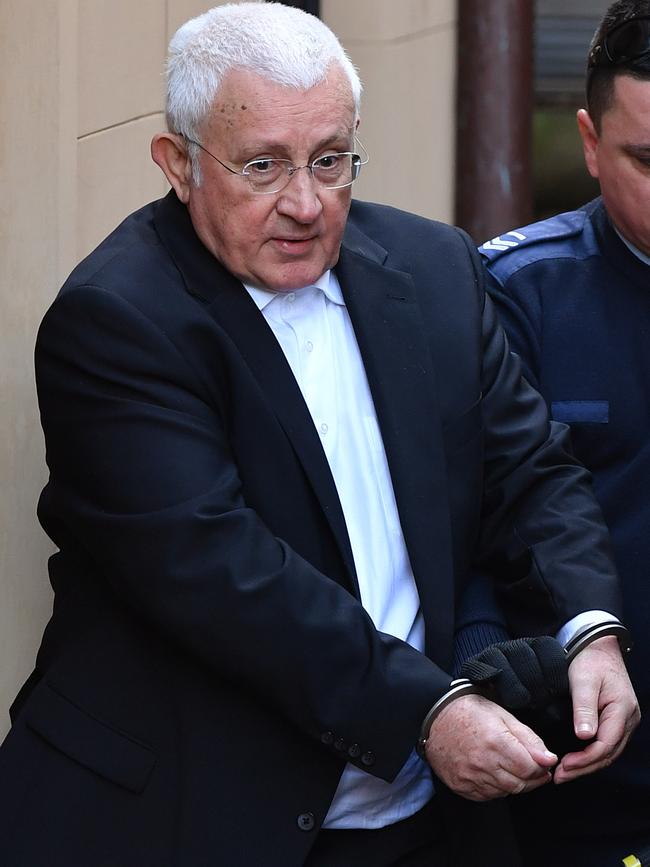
(463, 686)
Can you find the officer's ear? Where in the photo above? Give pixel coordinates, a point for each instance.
(169, 151)
(590, 140)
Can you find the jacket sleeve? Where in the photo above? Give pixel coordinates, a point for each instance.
(542, 532)
(143, 479)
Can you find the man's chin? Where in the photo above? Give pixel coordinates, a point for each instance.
(291, 276)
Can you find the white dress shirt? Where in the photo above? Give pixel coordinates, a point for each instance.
(313, 327)
(630, 246)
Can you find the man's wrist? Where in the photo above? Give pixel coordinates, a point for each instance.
(578, 623)
(592, 633)
(457, 688)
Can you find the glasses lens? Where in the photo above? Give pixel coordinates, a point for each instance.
(628, 41)
(334, 170)
(267, 176)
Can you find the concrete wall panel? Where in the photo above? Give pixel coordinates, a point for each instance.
(122, 49)
(385, 20)
(180, 11)
(406, 59)
(31, 38)
(116, 175)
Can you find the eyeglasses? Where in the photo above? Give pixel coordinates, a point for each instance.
(624, 43)
(269, 175)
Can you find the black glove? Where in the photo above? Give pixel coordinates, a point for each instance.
(529, 677)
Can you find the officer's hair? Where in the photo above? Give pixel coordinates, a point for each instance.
(280, 43)
(600, 82)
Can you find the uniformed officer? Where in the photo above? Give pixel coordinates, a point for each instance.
(574, 294)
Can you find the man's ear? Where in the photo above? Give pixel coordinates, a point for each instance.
(589, 136)
(169, 152)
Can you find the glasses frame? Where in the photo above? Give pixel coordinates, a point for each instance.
(601, 54)
(361, 160)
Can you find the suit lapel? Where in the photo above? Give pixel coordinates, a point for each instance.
(231, 306)
(388, 325)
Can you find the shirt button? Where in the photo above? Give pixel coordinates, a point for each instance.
(340, 745)
(324, 428)
(327, 738)
(354, 751)
(291, 297)
(368, 758)
(306, 821)
(309, 346)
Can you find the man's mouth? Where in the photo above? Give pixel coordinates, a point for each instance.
(294, 246)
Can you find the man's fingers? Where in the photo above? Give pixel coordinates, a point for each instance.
(482, 752)
(605, 707)
(503, 784)
(613, 734)
(533, 744)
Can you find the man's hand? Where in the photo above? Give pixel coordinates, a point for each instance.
(604, 708)
(481, 751)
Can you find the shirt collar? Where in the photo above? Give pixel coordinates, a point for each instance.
(638, 253)
(327, 283)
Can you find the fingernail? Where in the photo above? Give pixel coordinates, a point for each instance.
(550, 755)
(584, 728)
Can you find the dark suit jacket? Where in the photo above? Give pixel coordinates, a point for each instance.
(208, 669)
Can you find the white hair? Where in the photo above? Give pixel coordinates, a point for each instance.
(280, 43)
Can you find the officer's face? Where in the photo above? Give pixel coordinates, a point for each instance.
(284, 240)
(620, 158)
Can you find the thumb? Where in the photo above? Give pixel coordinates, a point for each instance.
(585, 713)
(588, 677)
(585, 691)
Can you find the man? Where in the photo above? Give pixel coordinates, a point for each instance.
(573, 295)
(280, 428)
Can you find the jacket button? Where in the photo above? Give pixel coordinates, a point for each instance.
(306, 821)
(340, 745)
(327, 738)
(354, 751)
(368, 758)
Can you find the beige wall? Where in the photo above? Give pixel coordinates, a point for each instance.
(405, 53)
(82, 93)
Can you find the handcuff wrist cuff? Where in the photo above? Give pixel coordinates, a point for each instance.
(463, 686)
(457, 688)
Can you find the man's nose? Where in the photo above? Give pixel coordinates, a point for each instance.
(300, 198)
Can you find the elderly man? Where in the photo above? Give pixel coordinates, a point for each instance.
(280, 429)
(573, 294)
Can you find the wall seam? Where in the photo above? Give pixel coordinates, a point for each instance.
(122, 123)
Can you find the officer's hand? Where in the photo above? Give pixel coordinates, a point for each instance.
(604, 708)
(481, 751)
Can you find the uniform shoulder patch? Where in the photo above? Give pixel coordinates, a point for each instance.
(504, 242)
(568, 235)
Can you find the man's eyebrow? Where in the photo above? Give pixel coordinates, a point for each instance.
(265, 145)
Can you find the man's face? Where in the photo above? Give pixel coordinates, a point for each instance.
(620, 158)
(280, 241)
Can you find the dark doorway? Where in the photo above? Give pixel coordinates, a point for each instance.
(563, 32)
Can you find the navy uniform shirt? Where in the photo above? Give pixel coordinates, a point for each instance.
(575, 302)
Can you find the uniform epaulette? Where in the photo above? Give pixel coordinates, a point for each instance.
(568, 235)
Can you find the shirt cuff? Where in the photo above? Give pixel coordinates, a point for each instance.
(582, 621)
